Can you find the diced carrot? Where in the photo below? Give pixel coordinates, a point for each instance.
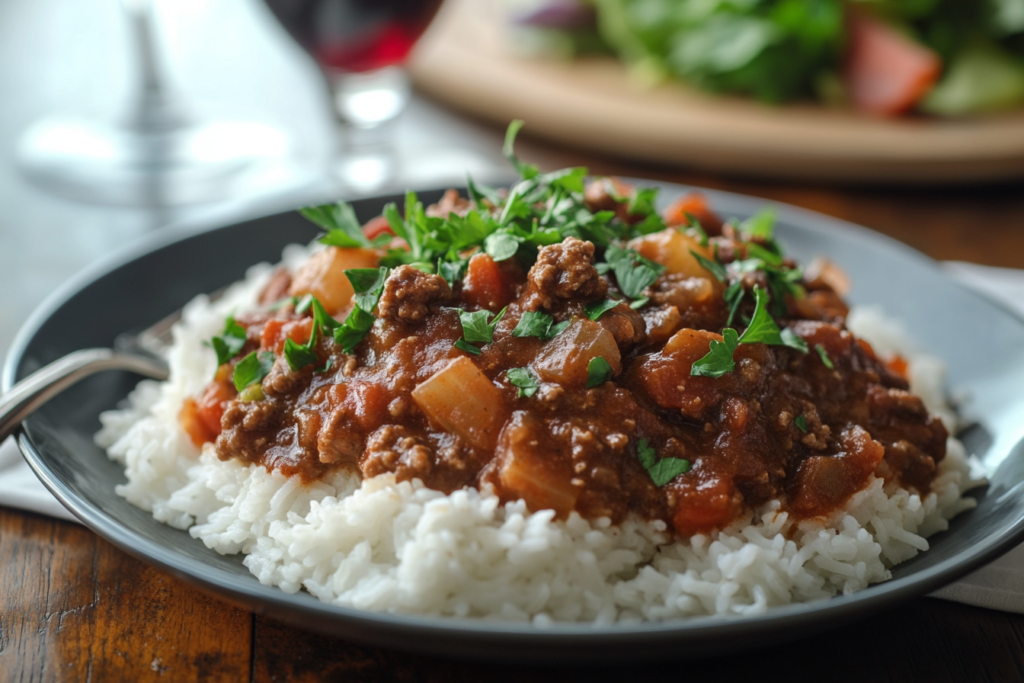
(485, 285)
(898, 364)
(708, 505)
(695, 204)
(189, 420)
(201, 419)
(885, 73)
(276, 331)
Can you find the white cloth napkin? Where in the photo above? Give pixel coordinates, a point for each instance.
(999, 585)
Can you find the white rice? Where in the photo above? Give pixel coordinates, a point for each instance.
(400, 547)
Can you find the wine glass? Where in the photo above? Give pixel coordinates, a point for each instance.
(360, 46)
(159, 154)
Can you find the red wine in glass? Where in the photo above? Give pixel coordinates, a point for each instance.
(355, 36)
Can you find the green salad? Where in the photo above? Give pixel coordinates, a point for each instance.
(887, 57)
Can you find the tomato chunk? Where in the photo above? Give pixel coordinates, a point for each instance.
(886, 73)
(485, 285)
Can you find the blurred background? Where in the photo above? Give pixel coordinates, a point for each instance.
(120, 117)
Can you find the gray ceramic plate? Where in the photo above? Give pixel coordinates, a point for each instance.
(982, 343)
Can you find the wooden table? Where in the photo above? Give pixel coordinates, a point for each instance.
(74, 608)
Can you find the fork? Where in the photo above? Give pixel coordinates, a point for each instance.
(140, 352)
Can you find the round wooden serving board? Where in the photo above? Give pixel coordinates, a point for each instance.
(464, 61)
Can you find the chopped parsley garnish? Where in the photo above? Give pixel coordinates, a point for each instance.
(540, 210)
(762, 329)
(823, 354)
(661, 471)
(695, 230)
(541, 325)
(303, 303)
(467, 347)
(713, 267)
(476, 328)
(599, 371)
(633, 272)
(719, 360)
(298, 355)
(761, 225)
(599, 308)
(230, 342)
(368, 283)
(527, 171)
(765, 330)
(452, 271)
(501, 245)
(354, 329)
(733, 297)
(801, 423)
(342, 226)
(253, 368)
(524, 379)
(793, 340)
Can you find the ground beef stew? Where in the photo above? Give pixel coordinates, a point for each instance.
(670, 366)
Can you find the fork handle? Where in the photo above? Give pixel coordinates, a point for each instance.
(27, 395)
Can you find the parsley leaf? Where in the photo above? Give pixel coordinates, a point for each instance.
(467, 347)
(298, 355)
(322, 320)
(302, 305)
(823, 354)
(230, 341)
(762, 326)
(340, 222)
(718, 360)
(793, 340)
(475, 327)
(761, 225)
(661, 471)
(368, 284)
(801, 423)
(501, 245)
(527, 171)
(599, 371)
(755, 250)
(599, 308)
(696, 230)
(524, 379)
(765, 330)
(253, 368)
(481, 195)
(540, 325)
(354, 329)
(633, 272)
(452, 271)
(713, 267)
(733, 296)
(642, 202)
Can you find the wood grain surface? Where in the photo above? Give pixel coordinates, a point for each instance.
(74, 608)
(466, 60)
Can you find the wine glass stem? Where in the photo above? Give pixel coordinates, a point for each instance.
(154, 110)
